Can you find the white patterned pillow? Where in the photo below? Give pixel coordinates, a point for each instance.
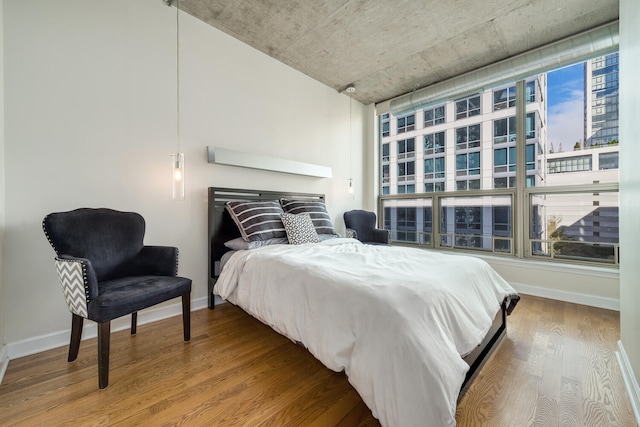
(299, 228)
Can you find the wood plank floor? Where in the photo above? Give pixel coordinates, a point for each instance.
(555, 367)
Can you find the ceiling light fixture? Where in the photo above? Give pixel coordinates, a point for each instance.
(177, 159)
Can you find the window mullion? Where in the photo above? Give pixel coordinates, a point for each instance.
(520, 213)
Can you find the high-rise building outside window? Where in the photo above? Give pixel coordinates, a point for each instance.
(466, 169)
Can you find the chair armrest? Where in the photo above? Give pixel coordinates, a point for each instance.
(380, 235)
(156, 261)
(78, 281)
(351, 233)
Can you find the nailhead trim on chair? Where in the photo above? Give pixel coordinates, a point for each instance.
(47, 234)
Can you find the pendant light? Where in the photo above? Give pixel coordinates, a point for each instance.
(350, 90)
(177, 159)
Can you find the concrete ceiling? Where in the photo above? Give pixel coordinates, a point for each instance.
(387, 48)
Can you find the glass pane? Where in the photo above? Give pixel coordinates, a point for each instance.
(428, 115)
(576, 225)
(475, 222)
(461, 161)
(579, 108)
(474, 160)
(408, 220)
(474, 133)
(411, 168)
(461, 135)
(500, 128)
(608, 161)
(428, 166)
(428, 142)
(500, 157)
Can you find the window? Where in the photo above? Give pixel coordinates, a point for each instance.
(434, 116)
(406, 189)
(406, 171)
(504, 160)
(434, 168)
(430, 187)
(407, 123)
(406, 224)
(406, 148)
(468, 164)
(504, 130)
(467, 184)
(504, 98)
(530, 89)
(504, 182)
(465, 173)
(384, 124)
(385, 152)
(385, 174)
(468, 107)
(530, 125)
(434, 163)
(434, 143)
(468, 137)
(569, 164)
(608, 161)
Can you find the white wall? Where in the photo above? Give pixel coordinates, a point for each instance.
(630, 193)
(3, 358)
(91, 121)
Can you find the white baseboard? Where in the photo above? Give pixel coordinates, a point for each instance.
(574, 297)
(629, 381)
(61, 338)
(4, 361)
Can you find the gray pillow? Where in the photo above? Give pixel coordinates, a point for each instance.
(257, 220)
(299, 229)
(316, 209)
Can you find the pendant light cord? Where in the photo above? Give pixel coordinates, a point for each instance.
(178, 74)
(350, 140)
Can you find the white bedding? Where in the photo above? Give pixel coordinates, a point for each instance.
(395, 319)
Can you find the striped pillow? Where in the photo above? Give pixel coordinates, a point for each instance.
(257, 220)
(316, 209)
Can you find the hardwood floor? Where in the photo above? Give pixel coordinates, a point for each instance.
(556, 367)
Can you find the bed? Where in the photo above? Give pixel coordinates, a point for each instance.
(365, 310)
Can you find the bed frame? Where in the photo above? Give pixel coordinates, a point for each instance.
(222, 228)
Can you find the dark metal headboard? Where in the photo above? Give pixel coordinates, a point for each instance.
(222, 228)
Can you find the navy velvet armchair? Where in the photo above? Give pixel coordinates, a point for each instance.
(107, 272)
(361, 225)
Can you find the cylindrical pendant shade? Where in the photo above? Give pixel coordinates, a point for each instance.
(177, 164)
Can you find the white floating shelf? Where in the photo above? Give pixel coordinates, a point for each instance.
(224, 156)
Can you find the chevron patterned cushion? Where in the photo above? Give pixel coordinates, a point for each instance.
(72, 279)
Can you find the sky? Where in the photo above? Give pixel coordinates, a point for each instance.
(565, 107)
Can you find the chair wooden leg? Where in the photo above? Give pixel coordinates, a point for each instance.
(134, 322)
(186, 316)
(104, 332)
(76, 335)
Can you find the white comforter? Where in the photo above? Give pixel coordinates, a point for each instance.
(395, 319)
